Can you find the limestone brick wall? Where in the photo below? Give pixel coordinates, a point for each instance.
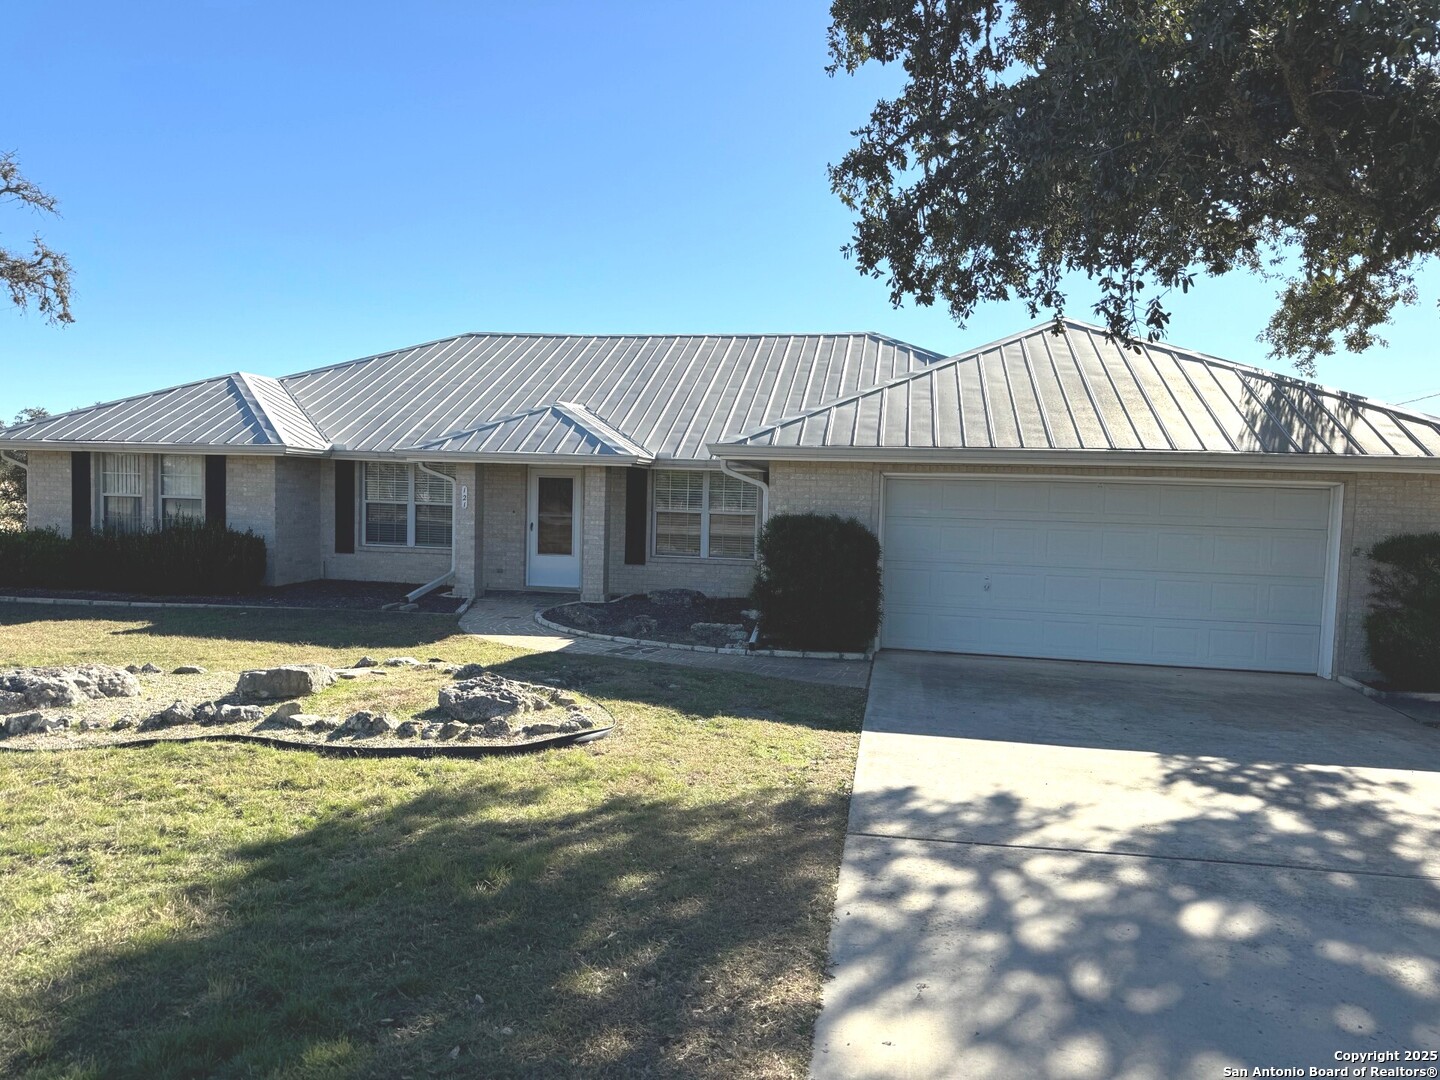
(502, 526)
(250, 503)
(410, 565)
(48, 491)
(296, 555)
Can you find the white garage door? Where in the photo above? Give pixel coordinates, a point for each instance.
(1197, 575)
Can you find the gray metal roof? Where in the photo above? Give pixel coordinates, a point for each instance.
(562, 428)
(1039, 390)
(240, 411)
(670, 396)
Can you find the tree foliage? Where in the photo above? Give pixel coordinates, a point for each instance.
(1142, 142)
(42, 275)
(13, 479)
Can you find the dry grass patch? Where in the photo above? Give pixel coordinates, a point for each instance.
(656, 904)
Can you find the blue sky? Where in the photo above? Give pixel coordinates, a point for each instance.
(269, 187)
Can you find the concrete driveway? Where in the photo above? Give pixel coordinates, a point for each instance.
(1072, 871)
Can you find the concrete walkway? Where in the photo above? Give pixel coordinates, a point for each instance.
(509, 619)
(1064, 870)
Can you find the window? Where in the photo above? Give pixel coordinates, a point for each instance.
(182, 487)
(122, 489)
(403, 506)
(705, 514)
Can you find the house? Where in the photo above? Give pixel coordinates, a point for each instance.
(1049, 494)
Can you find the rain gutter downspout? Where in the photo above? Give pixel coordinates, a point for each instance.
(449, 575)
(5, 455)
(761, 484)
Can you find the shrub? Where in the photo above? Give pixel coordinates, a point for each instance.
(182, 558)
(1402, 628)
(819, 582)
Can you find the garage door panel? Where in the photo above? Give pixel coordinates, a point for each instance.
(1192, 574)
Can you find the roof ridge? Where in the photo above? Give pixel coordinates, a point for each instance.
(256, 408)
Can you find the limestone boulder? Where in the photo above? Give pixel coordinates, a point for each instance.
(289, 681)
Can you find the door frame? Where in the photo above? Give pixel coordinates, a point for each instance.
(532, 514)
(1329, 612)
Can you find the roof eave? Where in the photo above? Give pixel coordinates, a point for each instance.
(1100, 458)
(160, 448)
(568, 460)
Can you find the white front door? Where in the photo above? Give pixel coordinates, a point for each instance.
(553, 530)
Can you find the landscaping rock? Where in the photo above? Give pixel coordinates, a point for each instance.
(402, 661)
(207, 713)
(133, 669)
(123, 723)
(188, 669)
(435, 660)
(366, 661)
(579, 617)
(676, 597)
(430, 731)
(364, 724)
(718, 633)
(23, 723)
(287, 708)
(150, 669)
(450, 729)
(471, 671)
(488, 696)
(291, 681)
(532, 730)
(410, 729)
(235, 714)
(637, 626)
(316, 723)
(88, 725)
(38, 688)
(496, 729)
(176, 714)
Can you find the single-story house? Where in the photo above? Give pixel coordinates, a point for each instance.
(1049, 494)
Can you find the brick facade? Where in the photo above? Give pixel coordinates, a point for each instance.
(48, 490)
(290, 502)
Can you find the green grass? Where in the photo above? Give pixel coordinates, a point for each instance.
(656, 904)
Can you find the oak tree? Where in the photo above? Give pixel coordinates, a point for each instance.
(1144, 142)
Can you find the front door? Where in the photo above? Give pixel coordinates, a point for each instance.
(554, 530)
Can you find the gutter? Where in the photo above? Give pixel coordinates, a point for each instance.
(727, 468)
(1165, 459)
(449, 575)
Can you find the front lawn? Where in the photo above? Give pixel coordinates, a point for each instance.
(656, 904)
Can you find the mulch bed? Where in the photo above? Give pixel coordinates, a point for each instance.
(335, 595)
(672, 621)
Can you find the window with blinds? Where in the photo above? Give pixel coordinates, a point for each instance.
(405, 507)
(122, 492)
(182, 487)
(705, 514)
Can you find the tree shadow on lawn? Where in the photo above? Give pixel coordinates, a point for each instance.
(635, 936)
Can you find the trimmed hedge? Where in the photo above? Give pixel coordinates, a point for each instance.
(1402, 628)
(182, 558)
(818, 586)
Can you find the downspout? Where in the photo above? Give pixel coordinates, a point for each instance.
(726, 468)
(449, 575)
(6, 455)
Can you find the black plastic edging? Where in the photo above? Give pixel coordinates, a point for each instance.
(423, 750)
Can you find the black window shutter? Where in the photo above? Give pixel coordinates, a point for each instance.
(344, 507)
(637, 516)
(215, 489)
(80, 509)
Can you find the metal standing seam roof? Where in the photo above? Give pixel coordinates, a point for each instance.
(239, 411)
(562, 428)
(669, 396)
(1078, 391)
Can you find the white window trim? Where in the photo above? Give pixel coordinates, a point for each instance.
(704, 522)
(100, 519)
(410, 504)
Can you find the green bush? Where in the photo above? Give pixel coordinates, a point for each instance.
(182, 558)
(1402, 628)
(819, 583)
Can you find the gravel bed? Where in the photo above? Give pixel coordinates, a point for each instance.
(672, 621)
(335, 595)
